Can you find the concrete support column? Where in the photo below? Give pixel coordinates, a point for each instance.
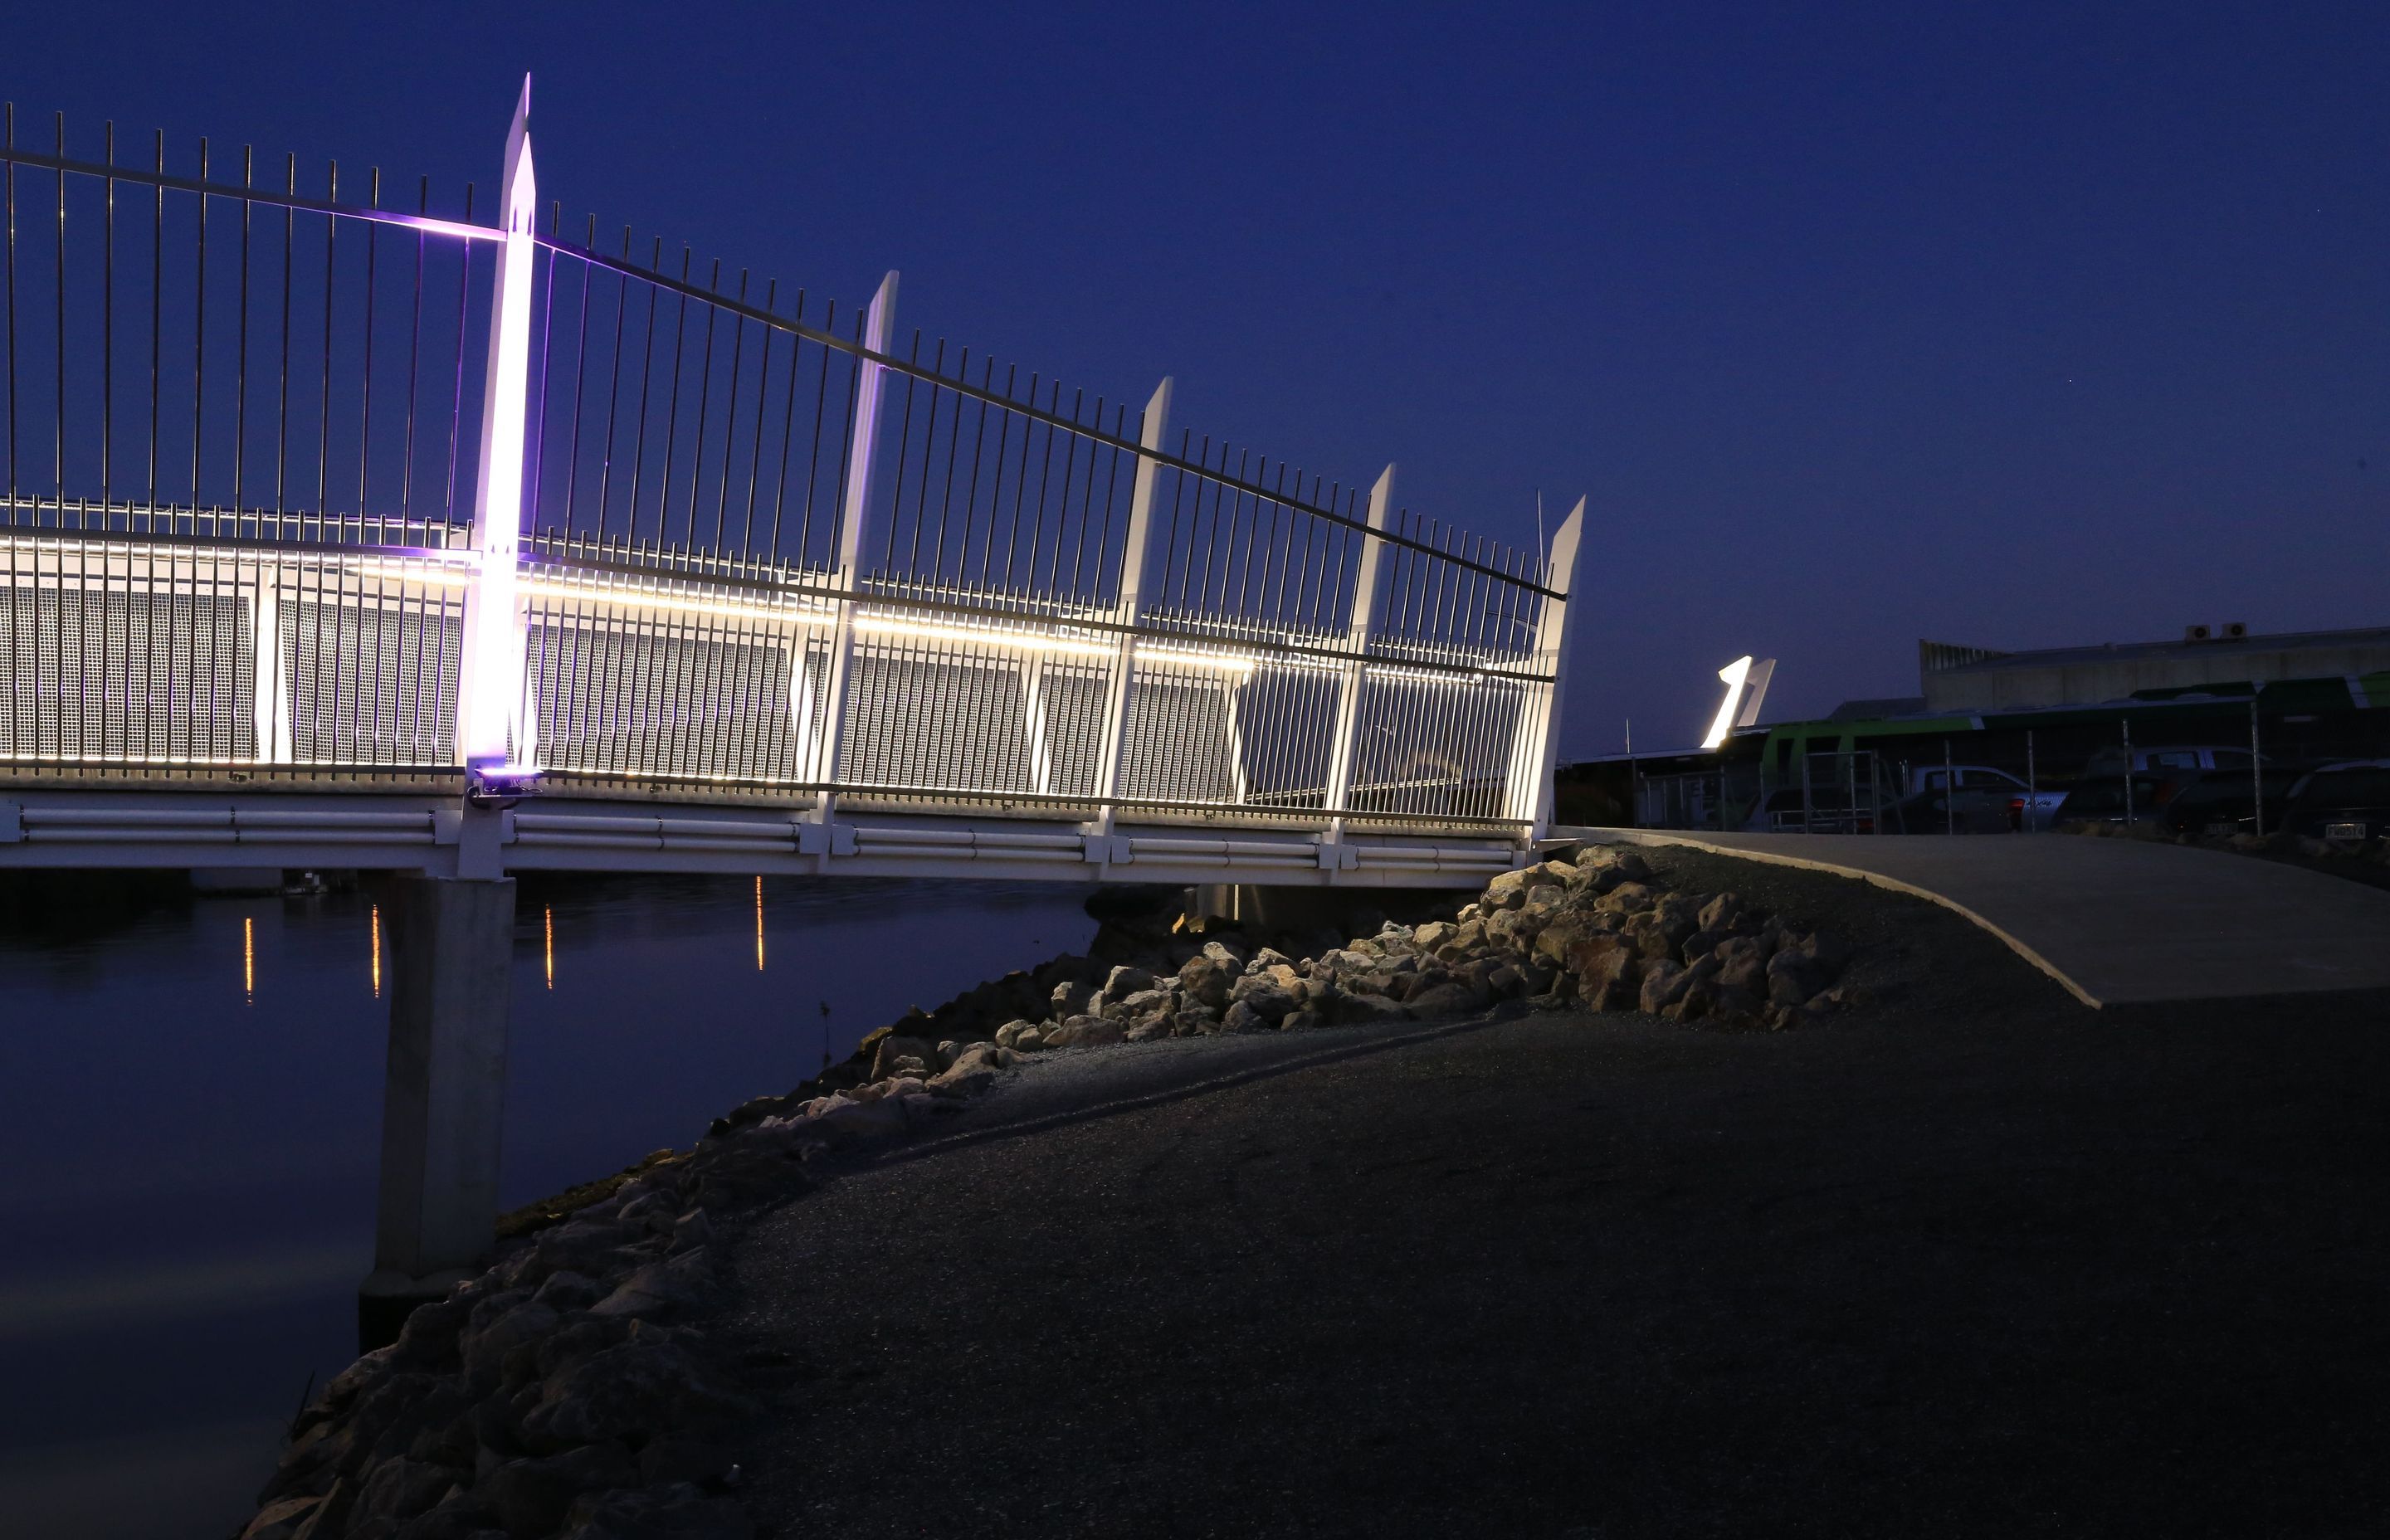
(445, 1093)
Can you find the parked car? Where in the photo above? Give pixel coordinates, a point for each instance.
(2175, 767)
(2341, 802)
(2226, 802)
(1978, 801)
(2100, 800)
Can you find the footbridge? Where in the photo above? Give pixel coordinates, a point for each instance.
(350, 529)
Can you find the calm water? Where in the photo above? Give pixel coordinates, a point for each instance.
(190, 1103)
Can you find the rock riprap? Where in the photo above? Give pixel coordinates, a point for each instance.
(574, 1390)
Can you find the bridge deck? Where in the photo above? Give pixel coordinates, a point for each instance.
(2117, 921)
(436, 832)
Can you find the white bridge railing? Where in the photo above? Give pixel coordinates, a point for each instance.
(312, 493)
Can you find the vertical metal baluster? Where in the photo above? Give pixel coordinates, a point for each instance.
(672, 412)
(953, 447)
(788, 428)
(995, 492)
(729, 418)
(60, 289)
(156, 312)
(1045, 474)
(8, 137)
(365, 404)
(456, 399)
(537, 432)
(1062, 520)
(903, 443)
(755, 448)
(1088, 518)
(323, 400)
(107, 365)
(971, 496)
(812, 457)
(414, 384)
(647, 373)
(1111, 487)
(199, 388)
(580, 372)
(903, 438)
(282, 409)
(1020, 490)
(615, 388)
(240, 364)
(704, 401)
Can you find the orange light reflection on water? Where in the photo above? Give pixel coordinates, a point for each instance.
(376, 951)
(759, 923)
(548, 923)
(249, 956)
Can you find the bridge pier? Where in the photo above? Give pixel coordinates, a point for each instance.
(1339, 909)
(444, 1095)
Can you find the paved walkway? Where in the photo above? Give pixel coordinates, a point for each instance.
(2117, 921)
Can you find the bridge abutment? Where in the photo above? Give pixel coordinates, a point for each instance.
(444, 1095)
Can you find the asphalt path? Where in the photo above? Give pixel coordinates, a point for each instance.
(2117, 921)
(1973, 1261)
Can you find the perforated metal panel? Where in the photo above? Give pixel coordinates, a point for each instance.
(944, 718)
(144, 676)
(370, 683)
(642, 698)
(1180, 738)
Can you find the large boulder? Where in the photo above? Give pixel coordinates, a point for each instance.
(1119, 984)
(1555, 940)
(1722, 912)
(893, 1047)
(1508, 890)
(650, 1382)
(1742, 963)
(1206, 979)
(1793, 975)
(531, 1495)
(1262, 996)
(1086, 1031)
(399, 1488)
(1454, 997)
(1663, 980)
(661, 1288)
(1142, 1006)
(1625, 861)
(1626, 898)
(1352, 1009)
(1231, 949)
(1609, 971)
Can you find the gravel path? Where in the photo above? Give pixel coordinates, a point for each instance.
(1975, 1261)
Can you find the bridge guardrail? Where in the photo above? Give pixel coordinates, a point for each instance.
(345, 490)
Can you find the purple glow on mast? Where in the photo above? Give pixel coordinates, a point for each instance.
(492, 727)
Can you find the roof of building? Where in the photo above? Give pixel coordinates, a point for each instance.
(1953, 657)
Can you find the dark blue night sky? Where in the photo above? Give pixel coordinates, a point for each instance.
(2015, 325)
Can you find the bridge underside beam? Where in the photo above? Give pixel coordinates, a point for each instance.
(442, 837)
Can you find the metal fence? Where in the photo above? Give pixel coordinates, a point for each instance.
(306, 485)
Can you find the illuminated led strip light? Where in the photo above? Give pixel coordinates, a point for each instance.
(458, 570)
(426, 565)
